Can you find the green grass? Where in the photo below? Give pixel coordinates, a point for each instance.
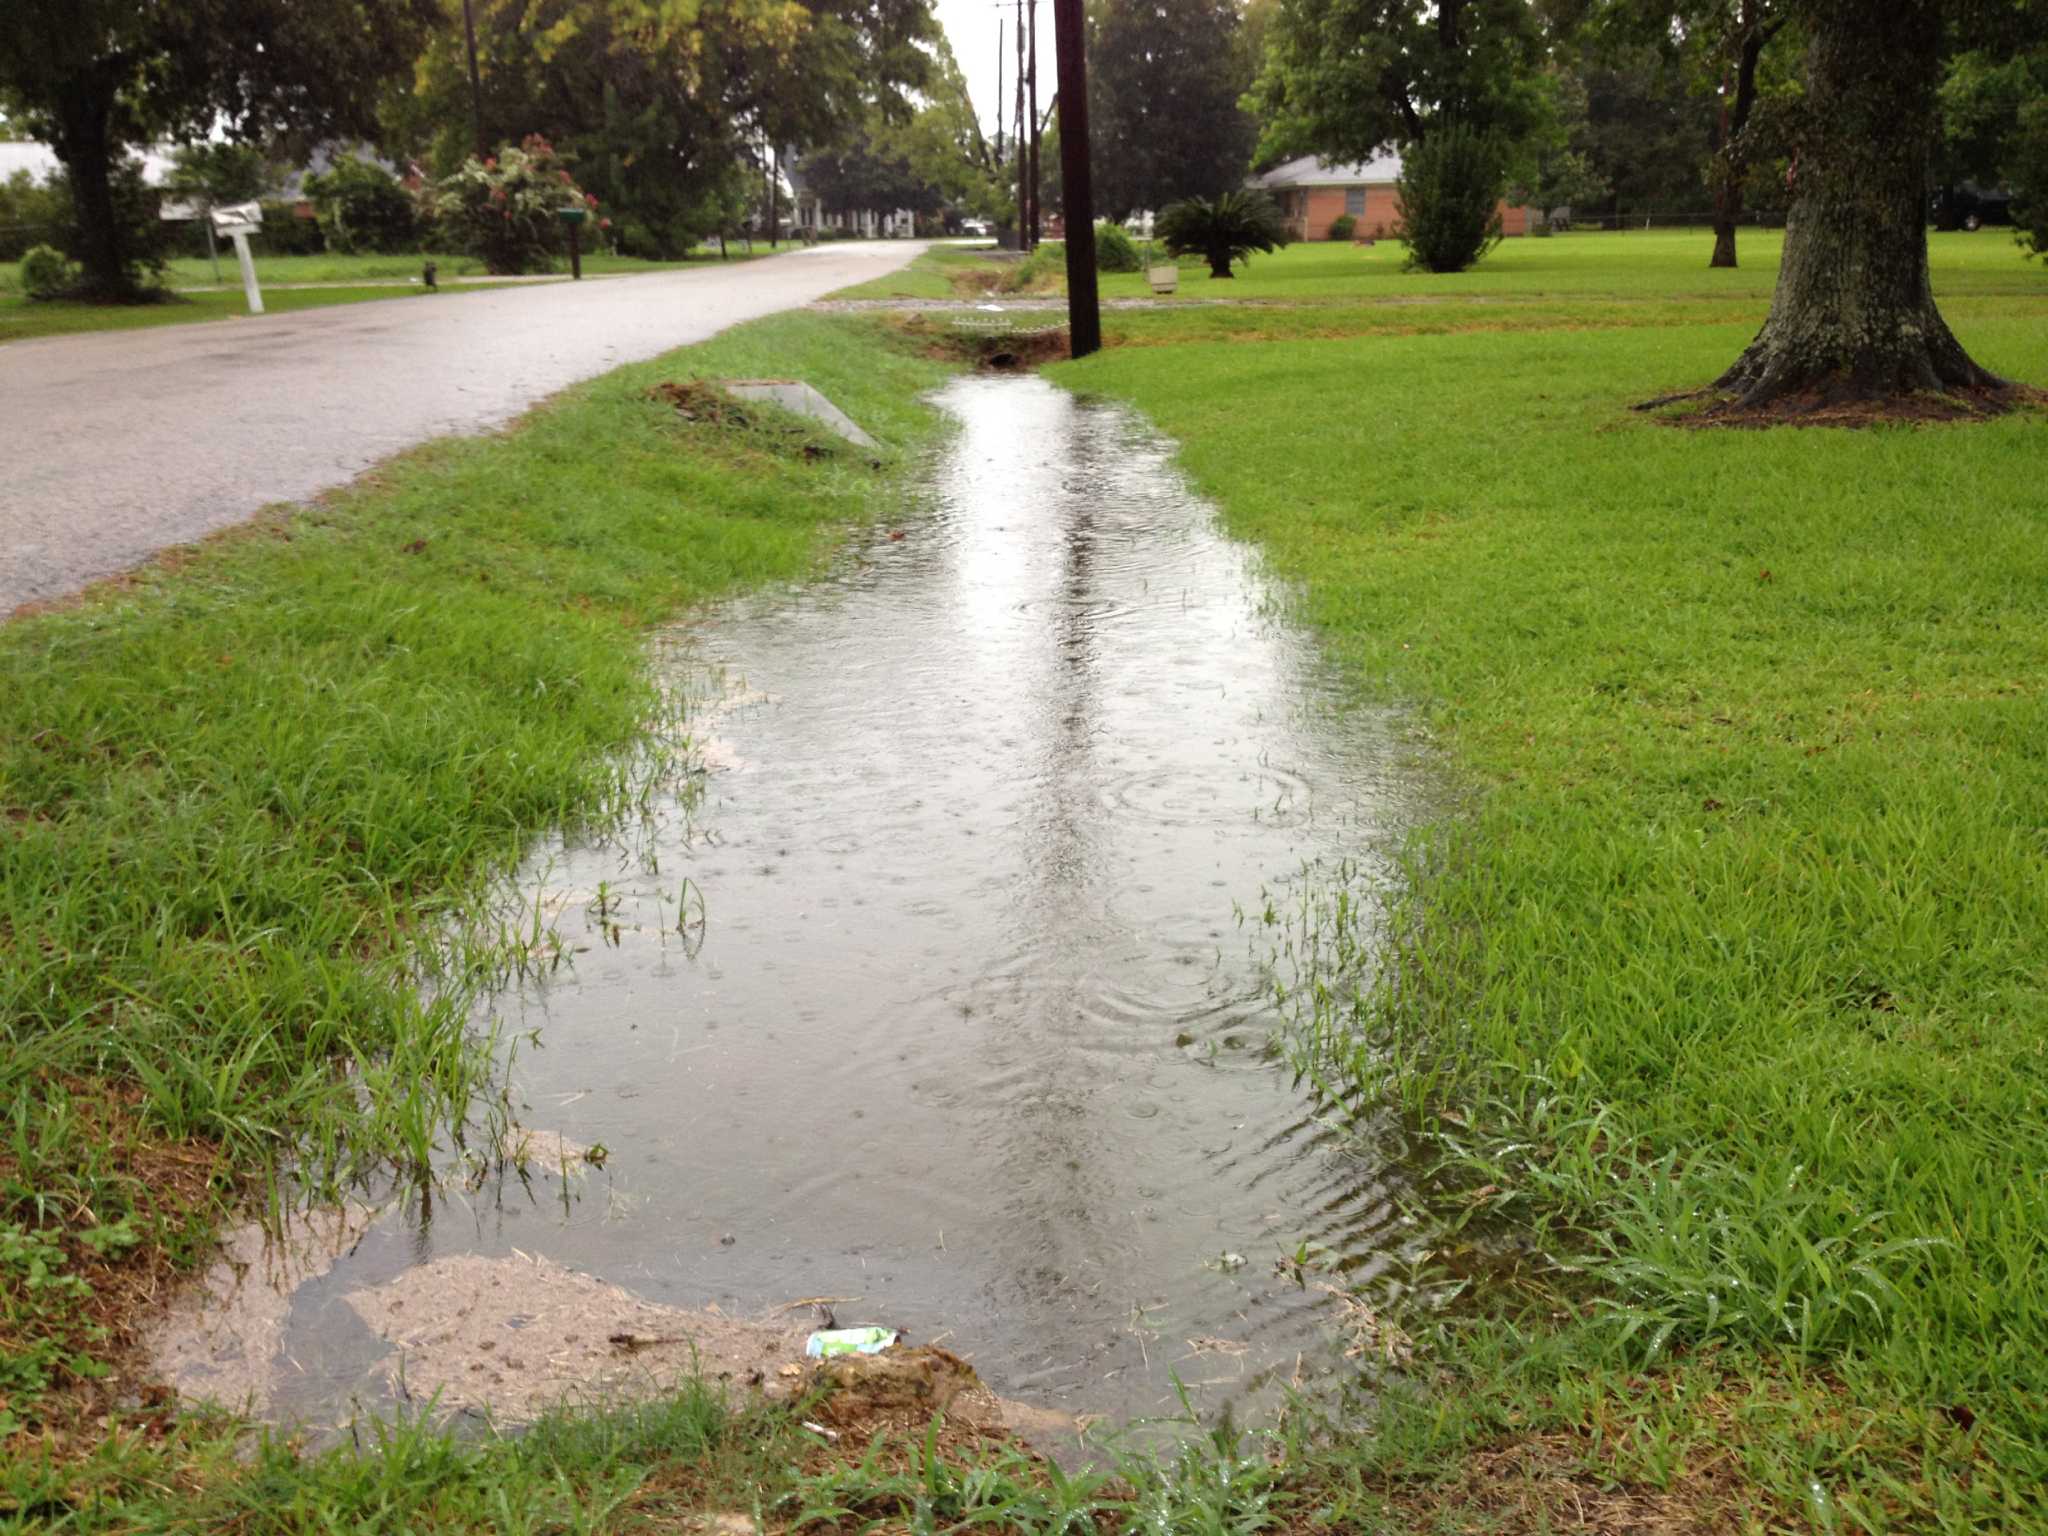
(1718, 991)
(21, 320)
(1724, 987)
(656, 1466)
(249, 804)
(190, 271)
(929, 276)
(1655, 265)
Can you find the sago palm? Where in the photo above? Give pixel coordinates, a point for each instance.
(1222, 229)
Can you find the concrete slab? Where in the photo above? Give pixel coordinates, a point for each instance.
(795, 395)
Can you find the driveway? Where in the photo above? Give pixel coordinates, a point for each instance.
(119, 444)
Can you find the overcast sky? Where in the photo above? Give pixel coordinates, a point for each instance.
(971, 27)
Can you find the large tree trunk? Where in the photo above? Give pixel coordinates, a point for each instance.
(83, 143)
(1853, 317)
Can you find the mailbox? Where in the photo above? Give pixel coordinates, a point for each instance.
(238, 219)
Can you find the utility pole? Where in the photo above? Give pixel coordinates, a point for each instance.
(999, 89)
(476, 84)
(1077, 192)
(1023, 159)
(1035, 182)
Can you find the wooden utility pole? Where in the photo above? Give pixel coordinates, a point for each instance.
(1022, 144)
(1036, 211)
(476, 84)
(1077, 191)
(999, 90)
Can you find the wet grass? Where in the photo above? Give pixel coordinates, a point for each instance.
(690, 1460)
(1724, 989)
(1650, 264)
(21, 320)
(194, 271)
(255, 803)
(933, 274)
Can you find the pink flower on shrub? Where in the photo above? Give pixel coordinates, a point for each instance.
(566, 178)
(590, 198)
(604, 223)
(491, 164)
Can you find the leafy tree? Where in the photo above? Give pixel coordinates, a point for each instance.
(1853, 316)
(1344, 78)
(215, 173)
(1717, 50)
(1164, 79)
(1561, 173)
(2030, 178)
(1994, 117)
(1643, 133)
(935, 160)
(33, 213)
(867, 176)
(48, 214)
(364, 210)
(1223, 229)
(90, 76)
(1736, 32)
(655, 102)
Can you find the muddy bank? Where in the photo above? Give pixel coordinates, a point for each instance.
(503, 1341)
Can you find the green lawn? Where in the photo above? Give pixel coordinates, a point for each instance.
(188, 271)
(1644, 265)
(20, 319)
(929, 276)
(1723, 993)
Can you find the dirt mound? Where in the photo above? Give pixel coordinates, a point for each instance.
(695, 400)
(899, 1392)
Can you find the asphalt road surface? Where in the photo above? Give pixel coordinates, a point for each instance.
(118, 444)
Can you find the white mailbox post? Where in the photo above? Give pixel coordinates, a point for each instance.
(238, 221)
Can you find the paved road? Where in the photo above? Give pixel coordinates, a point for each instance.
(115, 445)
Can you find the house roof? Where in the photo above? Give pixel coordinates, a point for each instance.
(1383, 169)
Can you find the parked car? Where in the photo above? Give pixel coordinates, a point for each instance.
(979, 228)
(1969, 206)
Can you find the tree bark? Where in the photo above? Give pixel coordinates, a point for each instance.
(1853, 316)
(1733, 160)
(83, 143)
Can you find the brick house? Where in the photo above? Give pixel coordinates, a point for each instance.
(1313, 193)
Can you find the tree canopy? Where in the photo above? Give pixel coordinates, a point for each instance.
(93, 76)
(1164, 80)
(658, 104)
(1345, 78)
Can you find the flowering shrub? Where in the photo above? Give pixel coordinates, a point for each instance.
(504, 208)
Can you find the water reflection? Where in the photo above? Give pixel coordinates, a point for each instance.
(972, 1034)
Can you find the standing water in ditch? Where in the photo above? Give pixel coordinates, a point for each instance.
(957, 1021)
